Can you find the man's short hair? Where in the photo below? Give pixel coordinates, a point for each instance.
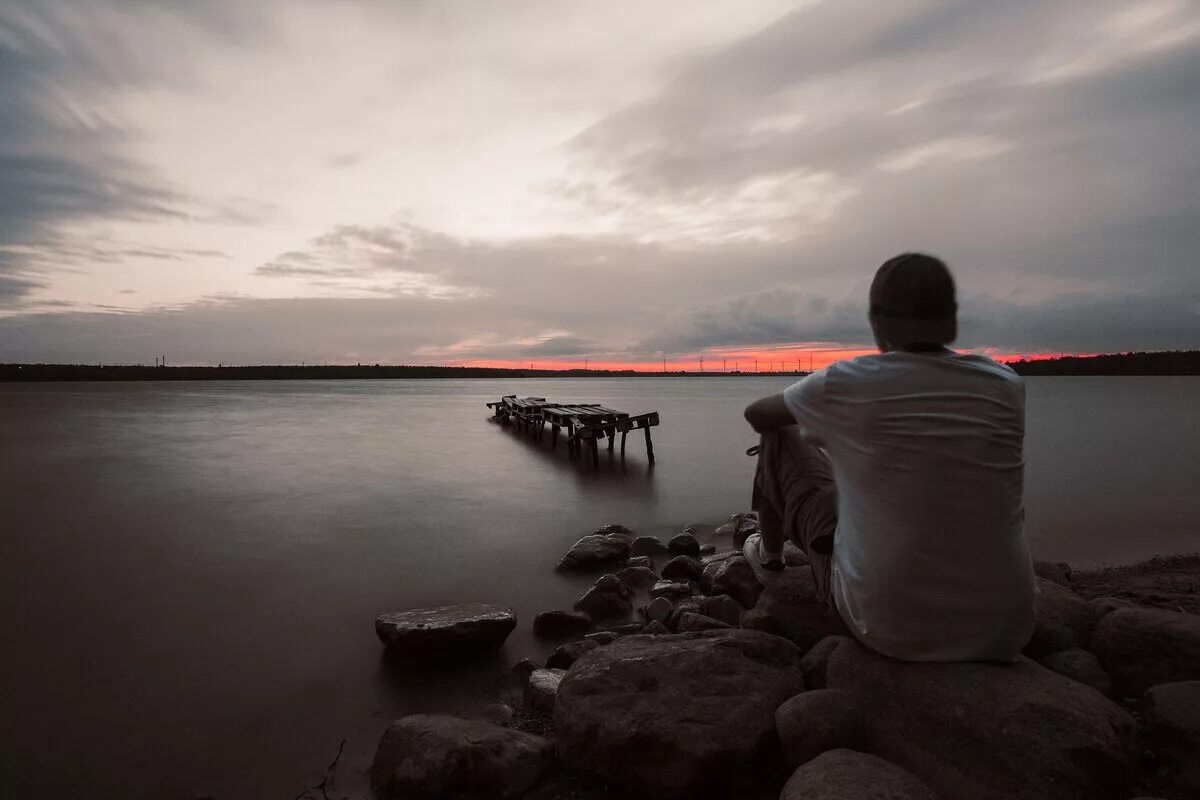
(913, 295)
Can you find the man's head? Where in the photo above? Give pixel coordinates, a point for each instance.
(912, 304)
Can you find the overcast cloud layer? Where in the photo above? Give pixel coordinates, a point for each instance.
(446, 183)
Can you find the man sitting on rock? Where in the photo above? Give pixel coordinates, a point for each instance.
(901, 476)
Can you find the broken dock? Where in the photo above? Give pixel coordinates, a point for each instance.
(585, 423)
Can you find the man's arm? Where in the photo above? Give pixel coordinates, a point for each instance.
(768, 413)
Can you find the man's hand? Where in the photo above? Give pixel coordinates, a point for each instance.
(768, 413)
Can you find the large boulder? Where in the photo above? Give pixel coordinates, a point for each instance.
(850, 775)
(676, 715)
(789, 607)
(1082, 666)
(987, 731)
(425, 634)
(437, 756)
(1141, 647)
(556, 624)
(637, 578)
(1064, 621)
(595, 550)
(736, 578)
(1171, 714)
(607, 598)
(541, 688)
(647, 546)
(816, 721)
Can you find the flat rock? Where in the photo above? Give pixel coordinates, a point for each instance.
(554, 624)
(690, 621)
(637, 578)
(438, 756)
(602, 637)
(789, 607)
(850, 775)
(1064, 621)
(607, 598)
(724, 608)
(735, 578)
(541, 688)
(670, 589)
(1082, 666)
(595, 550)
(676, 715)
(814, 722)
(684, 544)
(1171, 727)
(682, 568)
(1142, 647)
(423, 634)
(567, 654)
(647, 546)
(987, 731)
(640, 561)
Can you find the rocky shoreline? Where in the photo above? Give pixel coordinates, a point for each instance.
(676, 675)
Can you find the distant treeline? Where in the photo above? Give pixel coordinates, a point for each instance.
(1178, 362)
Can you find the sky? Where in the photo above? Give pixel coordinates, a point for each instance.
(628, 183)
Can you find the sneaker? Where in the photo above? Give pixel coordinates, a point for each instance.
(767, 570)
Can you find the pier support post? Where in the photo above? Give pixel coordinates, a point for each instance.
(623, 435)
(595, 453)
(649, 446)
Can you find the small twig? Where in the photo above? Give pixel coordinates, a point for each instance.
(328, 783)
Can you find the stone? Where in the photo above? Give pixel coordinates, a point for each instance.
(1171, 727)
(623, 630)
(541, 688)
(659, 609)
(637, 578)
(612, 527)
(1082, 666)
(988, 731)
(566, 655)
(654, 628)
(1055, 571)
(676, 715)
(707, 549)
(682, 606)
(640, 561)
(722, 607)
(556, 624)
(426, 634)
(690, 621)
(670, 589)
(726, 530)
(594, 550)
(1103, 605)
(1143, 647)
(743, 530)
(709, 574)
(684, 544)
(498, 714)
(435, 756)
(851, 775)
(1064, 621)
(735, 578)
(602, 637)
(817, 721)
(816, 660)
(523, 668)
(647, 546)
(789, 607)
(607, 598)
(682, 568)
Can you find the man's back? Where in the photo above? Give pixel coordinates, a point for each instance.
(930, 559)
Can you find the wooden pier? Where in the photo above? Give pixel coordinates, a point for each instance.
(585, 424)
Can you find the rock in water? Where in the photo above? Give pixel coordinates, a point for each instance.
(1082, 666)
(648, 546)
(1064, 621)
(675, 715)
(670, 589)
(682, 568)
(976, 731)
(637, 577)
(735, 578)
(640, 561)
(684, 544)
(541, 689)
(724, 608)
(437, 756)
(814, 722)
(659, 609)
(446, 631)
(1172, 728)
(850, 775)
(789, 607)
(595, 550)
(607, 598)
(1141, 647)
(567, 654)
(561, 623)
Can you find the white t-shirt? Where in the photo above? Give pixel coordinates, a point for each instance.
(930, 561)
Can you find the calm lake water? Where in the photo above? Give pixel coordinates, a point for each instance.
(190, 571)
